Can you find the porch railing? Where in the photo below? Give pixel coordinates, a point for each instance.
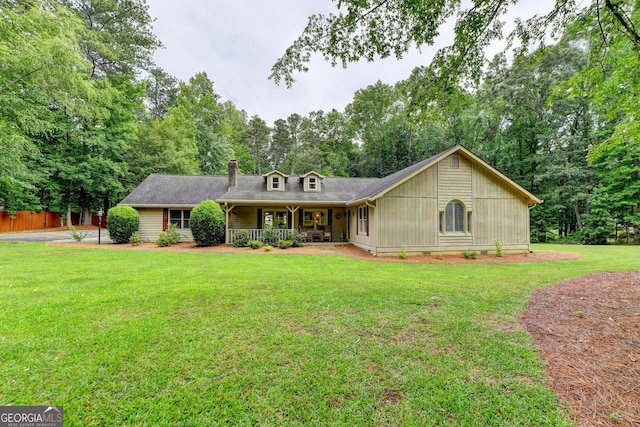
(256, 234)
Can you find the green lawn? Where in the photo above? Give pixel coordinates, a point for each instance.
(171, 338)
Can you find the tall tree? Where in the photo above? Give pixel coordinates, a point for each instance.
(370, 29)
(198, 99)
(119, 38)
(161, 92)
(41, 70)
(256, 138)
(281, 143)
(164, 145)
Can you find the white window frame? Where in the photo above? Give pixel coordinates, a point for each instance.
(455, 219)
(183, 221)
(315, 219)
(275, 215)
(363, 220)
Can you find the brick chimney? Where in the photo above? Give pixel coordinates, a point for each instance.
(233, 174)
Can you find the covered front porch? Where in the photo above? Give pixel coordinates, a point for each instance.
(318, 224)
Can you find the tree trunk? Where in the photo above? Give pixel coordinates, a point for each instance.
(576, 210)
(86, 217)
(69, 223)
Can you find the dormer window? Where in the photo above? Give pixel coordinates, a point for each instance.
(311, 181)
(276, 181)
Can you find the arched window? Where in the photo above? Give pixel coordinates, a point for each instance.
(454, 215)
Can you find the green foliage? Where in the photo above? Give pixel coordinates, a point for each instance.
(169, 237)
(267, 248)
(241, 239)
(162, 317)
(499, 248)
(76, 235)
(285, 244)
(596, 230)
(163, 146)
(207, 223)
(254, 244)
(470, 254)
(270, 236)
(296, 237)
(135, 239)
(256, 140)
(122, 222)
(403, 253)
(201, 105)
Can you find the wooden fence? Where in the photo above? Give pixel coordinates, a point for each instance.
(26, 220)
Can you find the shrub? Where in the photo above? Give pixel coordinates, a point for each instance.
(169, 237)
(207, 223)
(122, 222)
(77, 236)
(254, 244)
(296, 237)
(267, 248)
(270, 236)
(135, 239)
(470, 254)
(284, 244)
(403, 253)
(499, 249)
(241, 239)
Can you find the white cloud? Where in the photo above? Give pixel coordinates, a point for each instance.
(236, 43)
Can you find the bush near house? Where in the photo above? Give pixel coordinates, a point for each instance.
(169, 237)
(122, 222)
(207, 223)
(241, 239)
(296, 237)
(270, 236)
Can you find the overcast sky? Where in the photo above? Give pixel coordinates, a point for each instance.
(236, 43)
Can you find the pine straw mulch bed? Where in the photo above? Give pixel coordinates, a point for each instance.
(586, 329)
(343, 249)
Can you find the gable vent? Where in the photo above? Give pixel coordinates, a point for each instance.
(455, 162)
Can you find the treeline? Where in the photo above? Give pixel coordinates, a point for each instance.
(85, 116)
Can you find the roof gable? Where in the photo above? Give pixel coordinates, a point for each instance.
(312, 173)
(388, 183)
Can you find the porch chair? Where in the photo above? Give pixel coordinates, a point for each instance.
(326, 236)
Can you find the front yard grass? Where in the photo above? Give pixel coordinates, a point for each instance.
(170, 338)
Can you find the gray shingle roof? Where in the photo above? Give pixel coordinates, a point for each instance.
(187, 190)
(176, 190)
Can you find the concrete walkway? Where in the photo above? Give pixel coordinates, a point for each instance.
(55, 236)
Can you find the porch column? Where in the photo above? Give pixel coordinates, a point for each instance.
(293, 210)
(227, 212)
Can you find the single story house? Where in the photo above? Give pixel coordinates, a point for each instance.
(451, 202)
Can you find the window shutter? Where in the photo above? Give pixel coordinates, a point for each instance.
(259, 219)
(366, 212)
(165, 219)
(329, 221)
(300, 219)
(289, 220)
